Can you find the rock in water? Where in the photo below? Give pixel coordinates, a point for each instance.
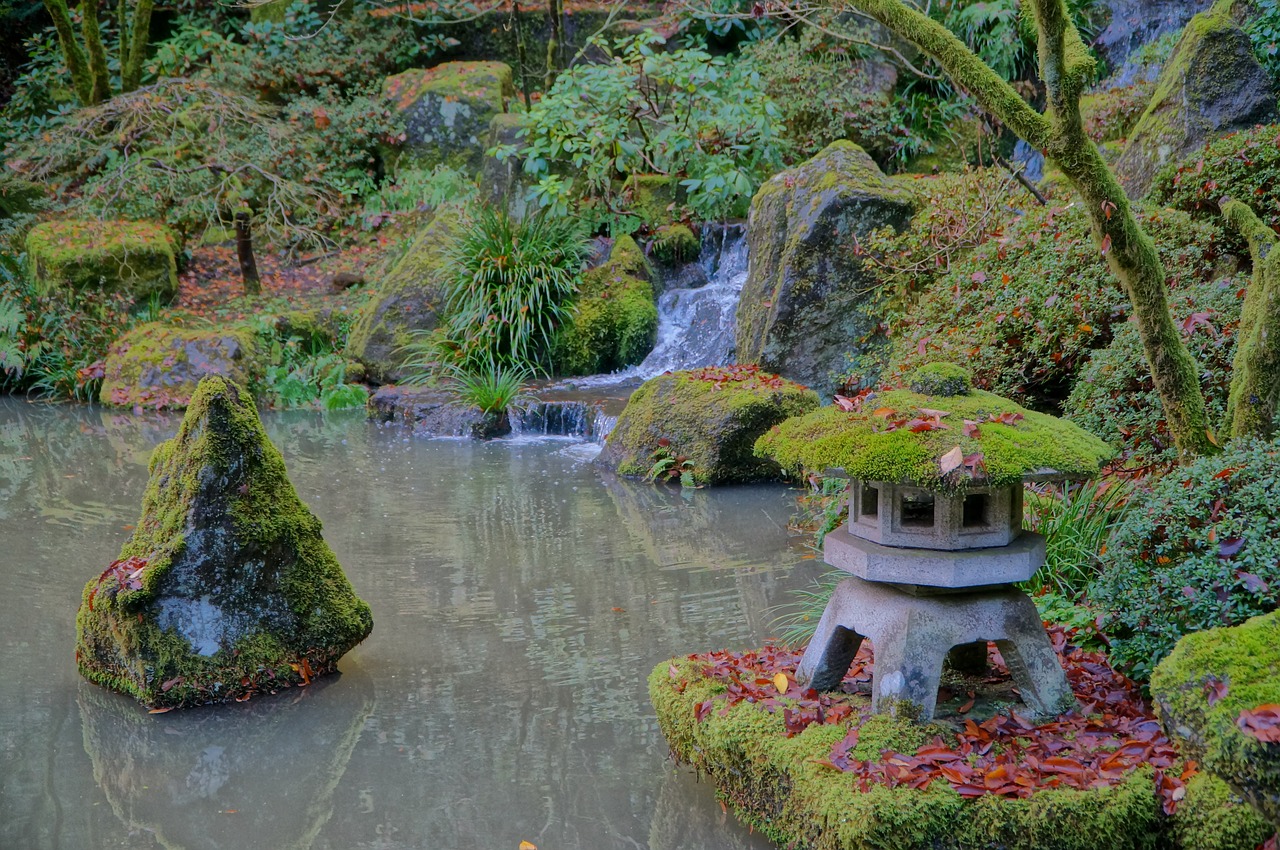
(227, 588)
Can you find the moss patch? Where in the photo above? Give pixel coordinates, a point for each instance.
(782, 786)
(447, 110)
(159, 366)
(655, 198)
(674, 244)
(226, 588)
(613, 322)
(1239, 667)
(137, 258)
(1013, 442)
(710, 416)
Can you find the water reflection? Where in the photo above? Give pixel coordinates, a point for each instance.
(520, 600)
(204, 779)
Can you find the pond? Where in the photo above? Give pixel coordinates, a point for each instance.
(520, 599)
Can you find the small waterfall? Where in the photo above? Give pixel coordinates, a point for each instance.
(582, 419)
(696, 322)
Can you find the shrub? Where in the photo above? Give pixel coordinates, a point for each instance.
(511, 280)
(1077, 523)
(1115, 398)
(684, 113)
(1202, 550)
(1025, 310)
(1264, 29)
(1244, 165)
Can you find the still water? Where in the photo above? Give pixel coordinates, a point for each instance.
(520, 599)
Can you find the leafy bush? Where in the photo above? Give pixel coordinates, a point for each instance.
(1245, 166)
(824, 92)
(1202, 550)
(1026, 309)
(683, 113)
(415, 190)
(1264, 29)
(1115, 398)
(510, 283)
(312, 381)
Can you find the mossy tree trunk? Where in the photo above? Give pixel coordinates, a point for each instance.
(1065, 67)
(1255, 375)
(87, 61)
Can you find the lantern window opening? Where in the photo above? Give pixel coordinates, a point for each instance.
(917, 509)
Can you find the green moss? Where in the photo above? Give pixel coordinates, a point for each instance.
(780, 785)
(137, 258)
(447, 110)
(220, 464)
(157, 365)
(860, 443)
(613, 321)
(272, 11)
(655, 198)
(1246, 659)
(675, 243)
(712, 422)
(1213, 817)
(941, 379)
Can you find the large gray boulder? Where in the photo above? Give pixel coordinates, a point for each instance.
(226, 588)
(447, 110)
(808, 299)
(1212, 85)
(1133, 24)
(409, 299)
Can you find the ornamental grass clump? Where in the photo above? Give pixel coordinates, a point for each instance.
(1201, 550)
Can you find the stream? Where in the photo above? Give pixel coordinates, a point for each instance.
(520, 598)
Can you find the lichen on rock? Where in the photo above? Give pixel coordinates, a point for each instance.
(808, 300)
(226, 588)
(137, 258)
(447, 110)
(157, 365)
(710, 416)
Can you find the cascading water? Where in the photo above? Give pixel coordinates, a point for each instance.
(696, 323)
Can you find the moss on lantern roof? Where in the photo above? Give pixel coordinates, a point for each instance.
(907, 437)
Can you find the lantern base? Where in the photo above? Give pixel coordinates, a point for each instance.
(912, 636)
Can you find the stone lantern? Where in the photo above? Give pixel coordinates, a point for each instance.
(934, 543)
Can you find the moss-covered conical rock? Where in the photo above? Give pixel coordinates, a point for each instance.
(226, 588)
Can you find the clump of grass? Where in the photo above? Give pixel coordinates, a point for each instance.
(494, 387)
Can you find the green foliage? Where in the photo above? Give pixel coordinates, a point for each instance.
(1201, 550)
(613, 321)
(12, 318)
(669, 466)
(1025, 310)
(510, 284)
(684, 113)
(824, 92)
(1244, 166)
(1114, 396)
(311, 380)
(940, 379)
(1077, 521)
(491, 385)
(416, 190)
(1264, 29)
(341, 138)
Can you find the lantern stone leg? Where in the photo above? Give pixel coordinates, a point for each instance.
(912, 635)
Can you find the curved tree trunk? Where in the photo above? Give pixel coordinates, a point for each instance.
(1065, 67)
(1255, 374)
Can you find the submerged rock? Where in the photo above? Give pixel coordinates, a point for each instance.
(226, 588)
(706, 421)
(1211, 86)
(808, 300)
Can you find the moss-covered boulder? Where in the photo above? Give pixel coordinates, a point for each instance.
(447, 110)
(1211, 86)
(656, 198)
(410, 298)
(674, 244)
(706, 419)
(503, 182)
(808, 301)
(614, 320)
(1205, 692)
(785, 784)
(137, 258)
(159, 366)
(226, 588)
(906, 436)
